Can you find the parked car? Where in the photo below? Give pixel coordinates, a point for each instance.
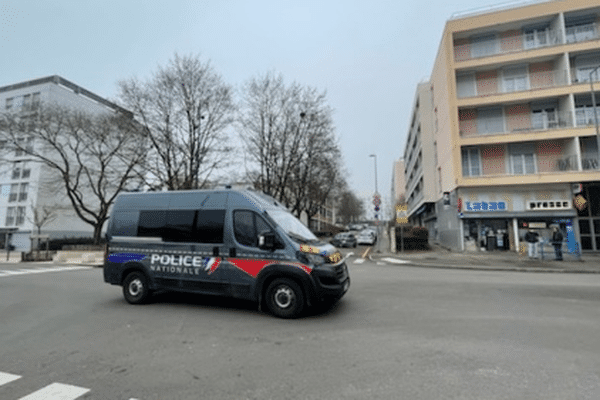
(344, 239)
(366, 237)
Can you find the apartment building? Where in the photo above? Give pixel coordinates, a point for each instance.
(420, 160)
(514, 133)
(26, 186)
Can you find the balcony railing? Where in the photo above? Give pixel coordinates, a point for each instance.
(589, 163)
(525, 41)
(581, 33)
(543, 121)
(536, 80)
(567, 164)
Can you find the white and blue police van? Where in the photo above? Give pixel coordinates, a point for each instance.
(241, 244)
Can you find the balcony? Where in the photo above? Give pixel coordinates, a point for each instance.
(515, 120)
(472, 86)
(582, 33)
(506, 42)
(589, 163)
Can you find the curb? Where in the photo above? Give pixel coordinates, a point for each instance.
(500, 268)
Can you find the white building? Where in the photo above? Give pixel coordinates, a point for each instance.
(26, 185)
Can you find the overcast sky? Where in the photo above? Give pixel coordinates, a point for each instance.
(367, 55)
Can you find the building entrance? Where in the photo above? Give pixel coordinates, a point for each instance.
(589, 217)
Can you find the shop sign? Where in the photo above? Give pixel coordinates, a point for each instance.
(485, 206)
(537, 225)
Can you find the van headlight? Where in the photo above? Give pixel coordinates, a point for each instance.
(312, 259)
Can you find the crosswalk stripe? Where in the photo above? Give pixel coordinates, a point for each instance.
(7, 378)
(57, 391)
(39, 270)
(395, 260)
(359, 261)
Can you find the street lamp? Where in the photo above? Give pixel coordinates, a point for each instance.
(595, 70)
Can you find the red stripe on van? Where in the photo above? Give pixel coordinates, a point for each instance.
(253, 267)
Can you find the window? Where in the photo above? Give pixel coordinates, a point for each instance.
(247, 226)
(18, 149)
(584, 109)
(9, 103)
(201, 226)
(544, 116)
(27, 102)
(482, 46)
(151, 223)
(515, 78)
(16, 172)
(522, 158)
(536, 37)
(20, 219)
(25, 170)
(21, 170)
(23, 191)
(179, 226)
(490, 120)
(470, 161)
(465, 85)
(209, 226)
(580, 29)
(10, 216)
(35, 100)
(14, 188)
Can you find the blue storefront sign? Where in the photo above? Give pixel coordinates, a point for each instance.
(485, 206)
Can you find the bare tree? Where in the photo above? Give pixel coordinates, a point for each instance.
(185, 109)
(350, 207)
(289, 135)
(92, 157)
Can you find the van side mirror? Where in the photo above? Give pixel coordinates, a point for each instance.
(266, 241)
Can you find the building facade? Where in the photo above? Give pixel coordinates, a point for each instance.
(514, 132)
(26, 187)
(420, 155)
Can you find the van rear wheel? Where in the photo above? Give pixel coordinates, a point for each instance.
(285, 298)
(135, 288)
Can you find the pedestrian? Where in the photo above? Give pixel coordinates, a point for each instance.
(531, 237)
(557, 239)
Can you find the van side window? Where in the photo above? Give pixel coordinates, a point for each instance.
(151, 223)
(209, 226)
(202, 226)
(247, 225)
(180, 226)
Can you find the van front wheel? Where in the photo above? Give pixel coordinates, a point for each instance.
(284, 298)
(135, 288)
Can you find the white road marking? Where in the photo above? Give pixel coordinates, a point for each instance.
(39, 270)
(7, 378)
(359, 261)
(57, 391)
(395, 260)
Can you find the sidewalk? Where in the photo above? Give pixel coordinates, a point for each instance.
(438, 257)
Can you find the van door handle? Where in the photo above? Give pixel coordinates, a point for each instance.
(232, 252)
(215, 252)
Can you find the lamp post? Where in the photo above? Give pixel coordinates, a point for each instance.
(595, 70)
(376, 191)
(376, 203)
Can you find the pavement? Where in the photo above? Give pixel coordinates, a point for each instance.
(439, 257)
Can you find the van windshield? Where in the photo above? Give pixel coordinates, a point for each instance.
(292, 226)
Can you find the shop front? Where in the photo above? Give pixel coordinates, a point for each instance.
(495, 219)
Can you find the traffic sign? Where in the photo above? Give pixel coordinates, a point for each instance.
(376, 200)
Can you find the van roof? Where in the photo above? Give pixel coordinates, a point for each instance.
(194, 199)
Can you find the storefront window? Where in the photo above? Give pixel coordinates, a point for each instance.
(584, 227)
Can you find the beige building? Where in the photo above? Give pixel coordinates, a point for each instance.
(513, 129)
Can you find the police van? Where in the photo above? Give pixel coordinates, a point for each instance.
(242, 244)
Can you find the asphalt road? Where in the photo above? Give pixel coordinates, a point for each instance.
(400, 332)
